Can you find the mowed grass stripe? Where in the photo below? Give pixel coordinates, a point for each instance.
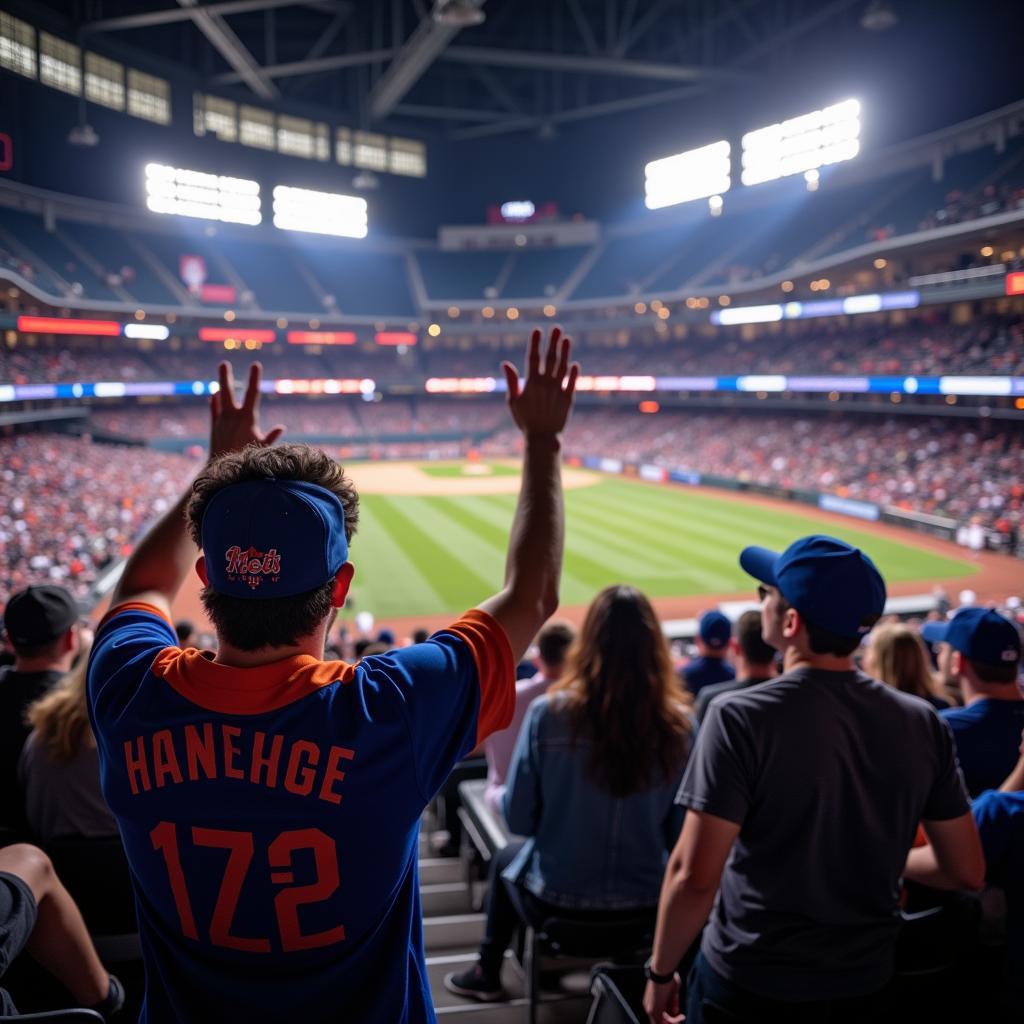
(387, 582)
(493, 514)
(705, 562)
(696, 516)
(584, 570)
(652, 557)
(453, 582)
(478, 551)
(778, 528)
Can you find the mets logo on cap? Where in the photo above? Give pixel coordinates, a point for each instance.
(271, 538)
(252, 566)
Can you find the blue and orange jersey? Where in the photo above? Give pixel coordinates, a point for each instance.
(271, 815)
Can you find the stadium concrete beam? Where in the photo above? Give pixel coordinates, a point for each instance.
(153, 19)
(497, 89)
(449, 113)
(312, 67)
(230, 47)
(612, 66)
(417, 53)
(817, 17)
(520, 124)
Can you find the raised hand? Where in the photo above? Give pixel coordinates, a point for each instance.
(540, 405)
(233, 426)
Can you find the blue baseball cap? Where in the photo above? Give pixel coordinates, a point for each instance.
(714, 629)
(831, 583)
(273, 538)
(980, 634)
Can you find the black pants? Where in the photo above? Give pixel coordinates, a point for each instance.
(712, 999)
(509, 904)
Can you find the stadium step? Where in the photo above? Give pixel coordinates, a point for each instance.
(441, 898)
(434, 870)
(452, 932)
(566, 1004)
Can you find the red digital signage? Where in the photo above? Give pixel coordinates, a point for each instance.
(64, 325)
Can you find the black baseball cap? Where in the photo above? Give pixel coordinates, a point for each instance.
(39, 615)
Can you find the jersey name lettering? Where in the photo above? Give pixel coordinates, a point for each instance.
(195, 753)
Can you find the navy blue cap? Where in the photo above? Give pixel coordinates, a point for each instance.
(273, 538)
(714, 629)
(830, 583)
(980, 634)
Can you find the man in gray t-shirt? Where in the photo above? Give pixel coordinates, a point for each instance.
(804, 796)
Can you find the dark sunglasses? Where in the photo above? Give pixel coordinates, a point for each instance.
(762, 592)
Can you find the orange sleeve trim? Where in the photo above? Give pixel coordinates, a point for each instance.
(134, 606)
(495, 669)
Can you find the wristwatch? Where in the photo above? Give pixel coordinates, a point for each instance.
(651, 975)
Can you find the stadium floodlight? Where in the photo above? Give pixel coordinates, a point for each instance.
(695, 174)
(802, 143)
(185, 193)
(322, 213)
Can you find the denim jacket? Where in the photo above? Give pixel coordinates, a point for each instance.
(586, 849)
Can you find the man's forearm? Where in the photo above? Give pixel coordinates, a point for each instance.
(163, 558)
(534, 565)
(682, 911)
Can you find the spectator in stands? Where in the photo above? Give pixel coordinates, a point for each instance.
(999, 815)
(41, 624)
(714, 631)
(593, 777)
(753, 658)
(984, 653)
(804, 798)
(552, 647)
(896, 655)
(185, 631)
(306, 764)
(419, 636)
(38, 914)
(1000, 818)
(59, 769)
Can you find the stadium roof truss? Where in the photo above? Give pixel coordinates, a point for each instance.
(530, 66)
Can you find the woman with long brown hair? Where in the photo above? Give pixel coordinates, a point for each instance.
(59, 767)
(592, 784)
(896, 655)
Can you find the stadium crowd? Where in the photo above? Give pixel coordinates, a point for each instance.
(49, 532)
(742, 790)
(70, 508)
(924, 345)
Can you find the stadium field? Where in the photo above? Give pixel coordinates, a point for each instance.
(432, 538)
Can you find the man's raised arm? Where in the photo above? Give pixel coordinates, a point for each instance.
(164, 557)
(540, 407)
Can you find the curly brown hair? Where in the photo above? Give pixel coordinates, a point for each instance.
(251, 625)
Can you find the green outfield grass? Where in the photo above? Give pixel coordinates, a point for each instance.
(426, 555)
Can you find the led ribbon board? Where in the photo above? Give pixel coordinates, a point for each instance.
(802, 143)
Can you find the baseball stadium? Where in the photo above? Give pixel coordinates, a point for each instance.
(786, 242)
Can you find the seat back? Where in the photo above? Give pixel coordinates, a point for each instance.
(618, 995)
(613, 936)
